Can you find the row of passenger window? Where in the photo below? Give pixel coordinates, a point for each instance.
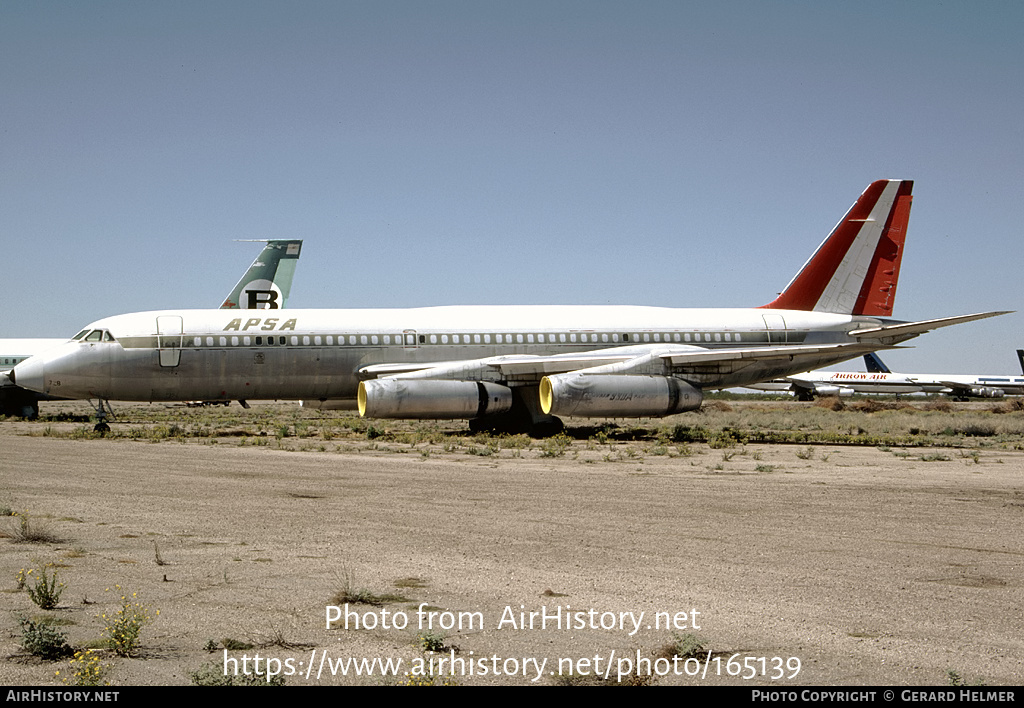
(581, 337)
(525, 338)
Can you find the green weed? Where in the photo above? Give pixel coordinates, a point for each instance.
(44, 591)
(556, 445)
(361, 596)
(956, 679)
(42, 639)
(431, 641)
(124, 628)
(85, 669)
(213, 674)
(235, 644)
(972, 455)
(806, 454)
(28, 531)
(685, 646)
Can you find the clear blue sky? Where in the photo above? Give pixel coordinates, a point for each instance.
(683, 154)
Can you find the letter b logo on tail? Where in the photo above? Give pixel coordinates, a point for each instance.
(260, 295)
(262, 299)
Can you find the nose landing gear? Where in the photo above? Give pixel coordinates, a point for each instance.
(103, 412)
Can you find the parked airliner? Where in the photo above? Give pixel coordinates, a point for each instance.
(265, 285)
(878, 379)
(507, 367)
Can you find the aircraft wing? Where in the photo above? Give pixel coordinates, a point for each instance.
(690, 363)
(496, 367)
(983, 389)
(904, 329)
(374, 371)
(735, 357)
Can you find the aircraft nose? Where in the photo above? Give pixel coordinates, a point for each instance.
(30, 374)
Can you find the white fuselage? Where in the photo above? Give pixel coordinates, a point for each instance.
(318, 354)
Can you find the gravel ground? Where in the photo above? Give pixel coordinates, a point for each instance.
(854, 566)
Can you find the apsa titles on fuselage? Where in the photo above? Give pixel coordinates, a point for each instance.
(266, 325)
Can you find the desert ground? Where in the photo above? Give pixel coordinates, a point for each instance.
(816, 564)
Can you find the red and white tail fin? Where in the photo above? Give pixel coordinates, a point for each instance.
(854, 271)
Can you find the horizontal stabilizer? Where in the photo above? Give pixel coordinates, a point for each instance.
(905, 329)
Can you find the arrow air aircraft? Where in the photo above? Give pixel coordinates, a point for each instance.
(508, 368)
(265, 285)
(878, 379)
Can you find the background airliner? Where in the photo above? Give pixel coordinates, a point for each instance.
(265, 285)
(878, 379)
(508, 368)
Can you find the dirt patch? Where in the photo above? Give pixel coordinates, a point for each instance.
(857, 565)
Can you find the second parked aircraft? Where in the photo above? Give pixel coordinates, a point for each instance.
(878, 379)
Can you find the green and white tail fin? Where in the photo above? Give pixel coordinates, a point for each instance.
(268, 282)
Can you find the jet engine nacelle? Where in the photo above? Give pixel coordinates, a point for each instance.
(403, 398)
(833, 391)
(985, 392)
(617, 395)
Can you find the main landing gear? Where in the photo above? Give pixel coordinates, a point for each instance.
(524, 416)
(18, 402)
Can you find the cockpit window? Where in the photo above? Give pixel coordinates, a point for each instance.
(94, 335)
